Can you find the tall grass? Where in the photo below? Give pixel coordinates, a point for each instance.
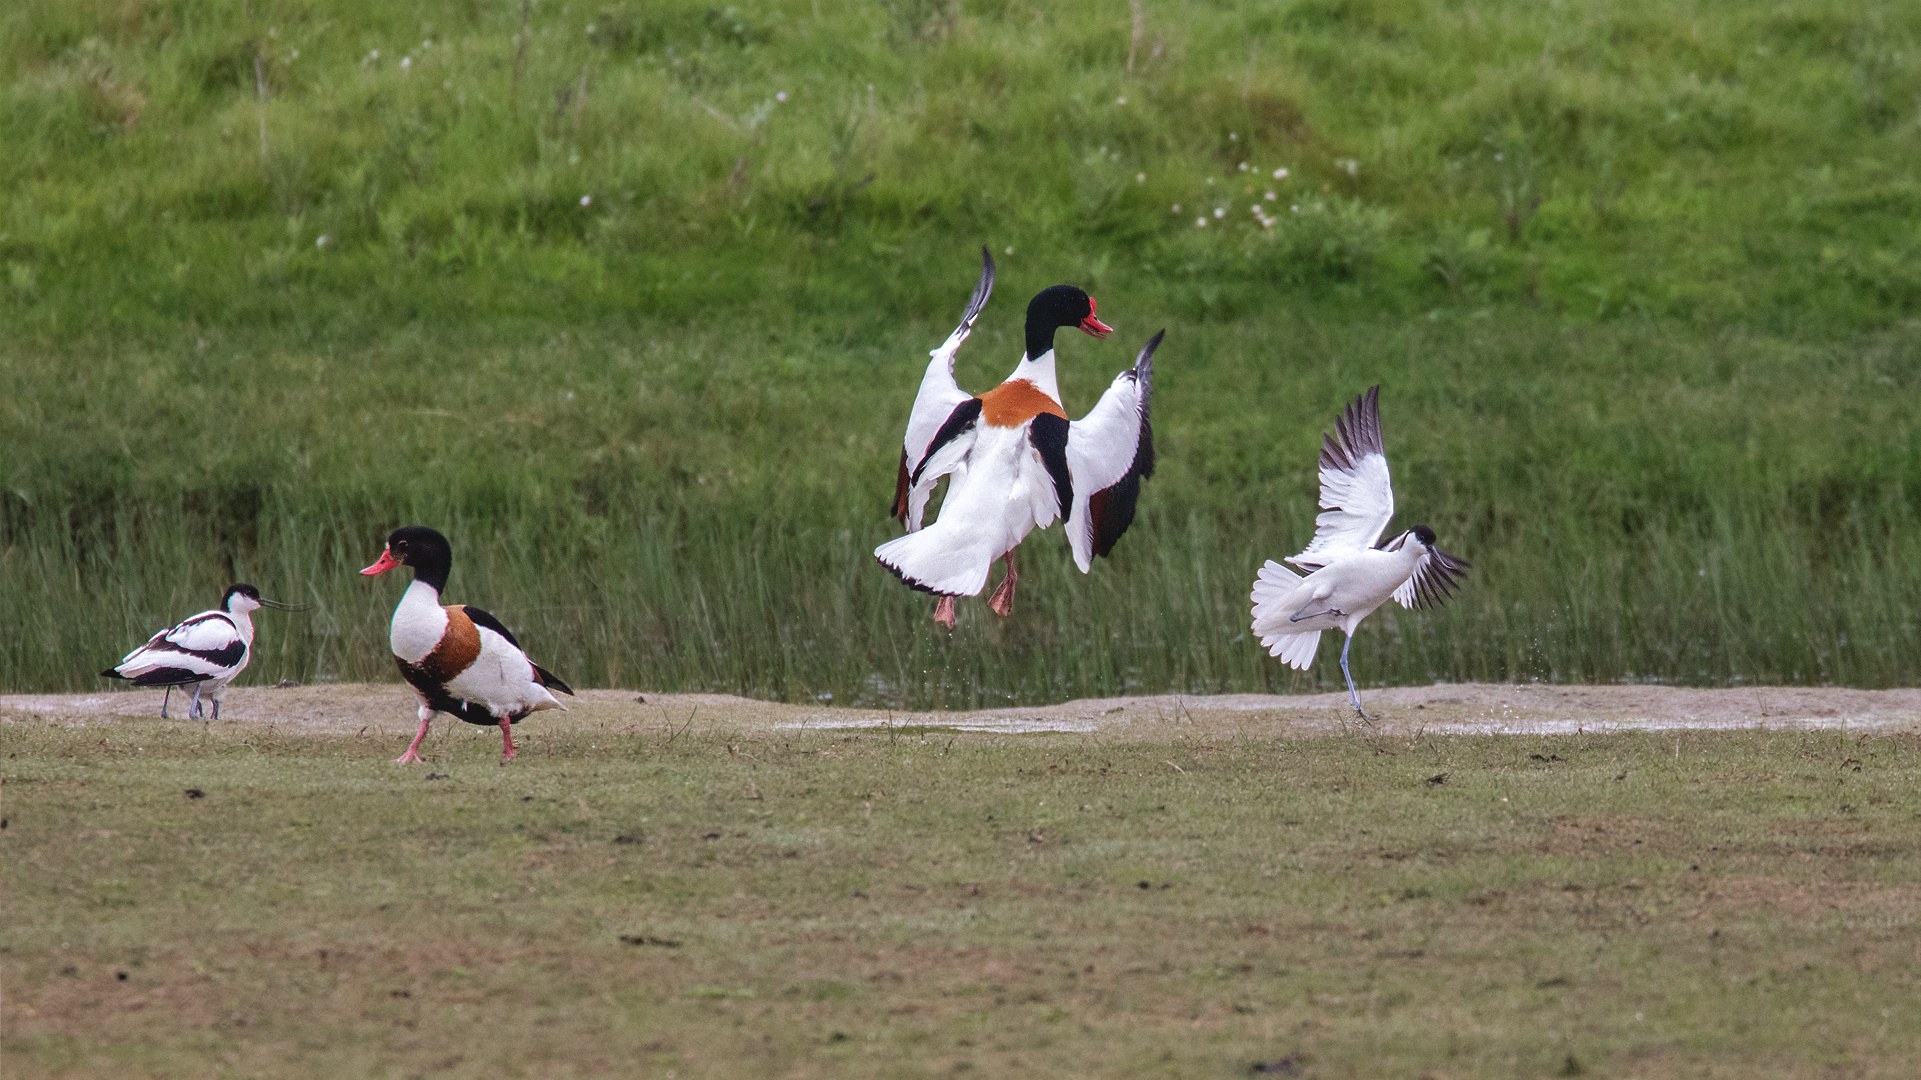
(631, 299)
(696, 509)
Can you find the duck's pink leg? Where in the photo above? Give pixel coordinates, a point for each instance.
(1002, 602)
(507, 736)
(413, 751)
(944, 611)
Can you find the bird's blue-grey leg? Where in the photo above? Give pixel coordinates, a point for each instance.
(1353, 695)
(163, 703)
(1299, 615)
(216, 708)
(195, 713)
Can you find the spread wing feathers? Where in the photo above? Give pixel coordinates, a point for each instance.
(1272, 588)
(1049, 434)
(207, 646)
(1436, 577)
(541, 675)
(1356, 495)
(1109, 452)
(939, 395)
(946, 452)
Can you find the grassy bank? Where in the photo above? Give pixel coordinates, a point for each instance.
(297, 164)
(636, 895)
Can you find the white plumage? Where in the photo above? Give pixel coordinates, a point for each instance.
(1013, 461)
(1348, 575)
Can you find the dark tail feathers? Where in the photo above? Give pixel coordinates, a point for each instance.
(552, 681)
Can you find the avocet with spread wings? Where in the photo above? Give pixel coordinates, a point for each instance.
(1349, 571)
(1015, 462)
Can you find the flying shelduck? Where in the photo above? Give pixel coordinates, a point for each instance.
(1016, 463)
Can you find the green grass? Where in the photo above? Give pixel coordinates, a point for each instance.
(625, 900)
(1668, 410)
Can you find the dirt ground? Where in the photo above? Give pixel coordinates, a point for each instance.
(1442, 709)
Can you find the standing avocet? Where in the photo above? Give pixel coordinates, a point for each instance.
(1349, 572)
(206, 652)
(1016, 462)
(459, 659)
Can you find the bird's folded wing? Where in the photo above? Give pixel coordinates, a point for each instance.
(1109, 452)
(210, 634)
(1356, 496)
(1435, 578)
(939, 394)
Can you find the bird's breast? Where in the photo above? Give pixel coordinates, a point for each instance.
(1015, 402)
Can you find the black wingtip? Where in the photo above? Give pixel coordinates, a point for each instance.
(552, 681)
(112, 674)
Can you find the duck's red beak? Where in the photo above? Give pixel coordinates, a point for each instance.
(387, 562)
(1092, 325)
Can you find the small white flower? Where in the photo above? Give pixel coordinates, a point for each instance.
(591, 28)
(1103, 151)
(406, 62)
(1177, 208)
(1243, 166)
(1219, 213)
(1140, 178)
(586, 200)
(781, 97)
(375, 55)
(427, 44)
(1010, 249)
(1296, 208)
(1120, 101)
(1210, 179)
(296, 54)
(1200, 223)
(1231, 136)
(1270, 196)
(323, 241)
(1280, 174)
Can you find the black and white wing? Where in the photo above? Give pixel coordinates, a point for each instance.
(1109, 452)
(934, 407)
(1357, 499)
(207, 646)
(1436, 577)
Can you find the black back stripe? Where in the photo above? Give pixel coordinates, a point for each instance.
(957, 422)
(482, 618)
(170, 676)
(1048, 433)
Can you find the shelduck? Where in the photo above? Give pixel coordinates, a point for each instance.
(1016, 463)
(459, 659)
(206, 652)
(1349, 572)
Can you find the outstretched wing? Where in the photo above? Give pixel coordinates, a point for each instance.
(939, 396)
(1109, 452)
(1357, 499)
(1436, 577)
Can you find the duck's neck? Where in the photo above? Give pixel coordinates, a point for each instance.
(1039, 370)
(242, 621)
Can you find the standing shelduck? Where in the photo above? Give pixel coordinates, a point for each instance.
(205, 652)
(459, 659)
(1016, 462)
(1349, 572)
